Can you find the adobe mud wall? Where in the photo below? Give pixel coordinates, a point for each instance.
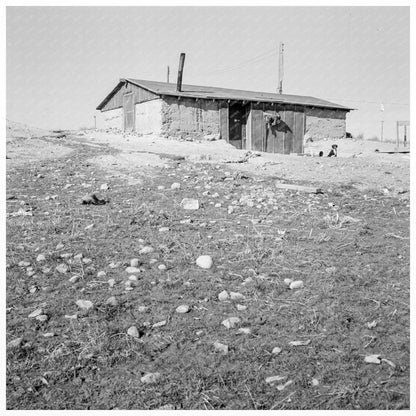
(113, 119)
(325, 123)
(148, 117)
(189, 117)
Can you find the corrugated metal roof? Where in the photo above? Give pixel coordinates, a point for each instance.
(198, 91)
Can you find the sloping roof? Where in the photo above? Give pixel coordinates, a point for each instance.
(197, 91)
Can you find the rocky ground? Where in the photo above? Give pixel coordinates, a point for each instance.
(195, 283)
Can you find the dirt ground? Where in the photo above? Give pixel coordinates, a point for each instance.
(339, 341)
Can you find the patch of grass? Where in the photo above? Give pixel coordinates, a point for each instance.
(335, 243)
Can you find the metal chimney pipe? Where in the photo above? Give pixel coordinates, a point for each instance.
(180, 72)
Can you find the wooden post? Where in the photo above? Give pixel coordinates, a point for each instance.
(180, 72)
(168, 71)
(280, 87)
(397, 134)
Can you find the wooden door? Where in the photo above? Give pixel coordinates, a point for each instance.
(298, 131)
(236, 125)
(128, 109)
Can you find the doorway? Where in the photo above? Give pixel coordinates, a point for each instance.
(128, 110)
(237, 122)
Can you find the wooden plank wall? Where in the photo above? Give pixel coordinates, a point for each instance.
(140, 95)
(286, 137)
(224, 129)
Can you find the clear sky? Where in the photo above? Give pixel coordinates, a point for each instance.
(62, 61)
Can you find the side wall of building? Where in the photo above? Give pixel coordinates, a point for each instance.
(325, 123)
(190, 117)
(148, 117)
(113, 119)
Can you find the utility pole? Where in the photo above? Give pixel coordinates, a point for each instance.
(280, 86)
(382, 121)
(168, 73)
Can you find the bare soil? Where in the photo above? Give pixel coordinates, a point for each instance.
(349, 245)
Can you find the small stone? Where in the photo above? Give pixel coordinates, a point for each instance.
(132, 270)
(288, 281)
(276, 350)
(150, 378)
(42, 318)
(75, 316)
(113, 265)
(373, 359)
(134, 262)
(372, 324)
(297, 284)
(182, 309)
(84, 304)
(300, 343)
(133, 332)
(147, 250)
(15, 343)
(49, 334)
(163, 229)
(274, 379)
(241, 307)
(160, 188)
(23, 264)
(73, 279)
(205, 262)
(175, 185)
(246, 331)
(112, 301)
(190, 204)
(315, 382)
(162, 267)
(33, 289)
(221, 347)
(236, 296)
(230, 209)
(281, 387)
(101, 274)
(40, 258)
(159, 324)
(66, 255)
(78, 257)
(60, 246)
(111, 282)
(104, 187)
(143, 308)
(231, 322)
(35, 313)
(87, 261)
(133, 278)
(223, 296)
(187, 221)
(62, 268)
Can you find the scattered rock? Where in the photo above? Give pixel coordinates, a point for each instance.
(150, 378)
(143, 308)
(246, 331)
(101, 274)
(133, 278)
(86, 260)
(111, 282)
(297, 284)
(276, 350)
(222, 348)
(42, 318)
(231, 322)
(372, 324)
(60, 246)
(241, 307)
(132, 270)
(104, 187)
(223, 296)
(175, 185)
(205, 262)
(49, 334)
(134, 262)
(84, 304)
(112, 301)
(146, 250)
(236, 296)
(281, 387)
(159, 324)
(23, 264)
(16, 343)
(182, 309)
(390, 363)
(315, 382)
(133, 332)
(62, 268)
(299, 343)
(373, 359)
(287, 282)
(163, 229)
(75, 316)
(162, 267)
(40, 258)
(274, 379)
(190, 204)
(35, 313)
(73, 279)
